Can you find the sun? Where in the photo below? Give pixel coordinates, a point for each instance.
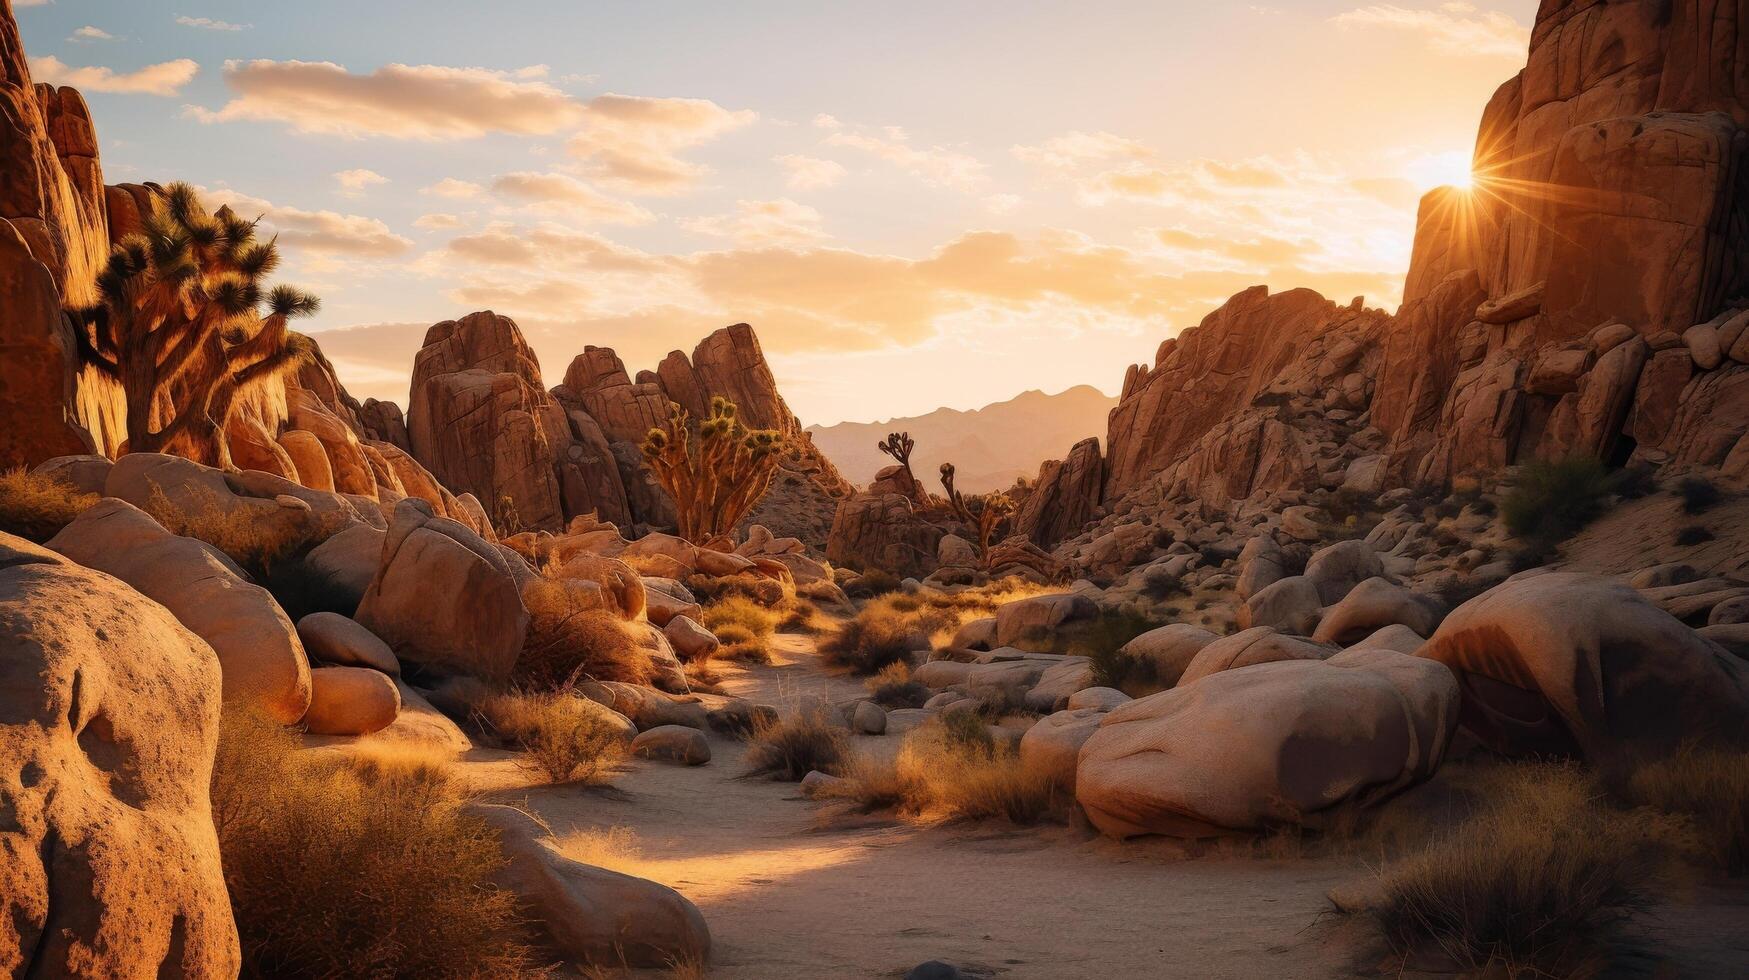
(1448, 169)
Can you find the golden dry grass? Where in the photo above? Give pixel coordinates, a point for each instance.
(570, 640)
(562, 739)
(242, 533)
(886, 629)
(37, 507)
(716, 588)
(1534, 883)
(357, 867)
(1708, 790)
(737, 610)
(942, 773)
(892, 687)
(790, 748)
(739, 643)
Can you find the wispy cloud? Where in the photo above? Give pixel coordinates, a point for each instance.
(209, 24)
(89, 33)
(756, 223)
(1452, 28)
(418, 102)
(633, 142)
(573, 196)
(319, 232)
(810, 173)
(166, 78)
(934, 165)
(353, 183)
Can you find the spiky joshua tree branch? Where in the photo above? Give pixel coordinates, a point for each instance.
(985, 513)
(187, 325)
(716, 481)
(899, 446)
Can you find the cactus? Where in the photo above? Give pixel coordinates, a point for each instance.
(717, 481)
(186, 325)
(984, 513)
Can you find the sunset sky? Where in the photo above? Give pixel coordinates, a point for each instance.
(915, 204)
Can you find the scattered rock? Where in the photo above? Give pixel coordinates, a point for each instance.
(334, 639)
(351, 701)
(673, 743)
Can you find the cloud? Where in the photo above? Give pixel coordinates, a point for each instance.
(825, 121)
(1071, 150)
(208, 24)
(457, 190)
(571, 194)
(755, 223)
(89, 33)
(353, 182)
(318, 232)
(1002, 203)
(437, 222)
(166, 78)
(415, 102)
(810, 173)
(632, 142)
(1450, 28)
(549, 297)
(935, 166)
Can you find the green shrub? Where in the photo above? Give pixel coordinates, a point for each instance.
(1550, 502)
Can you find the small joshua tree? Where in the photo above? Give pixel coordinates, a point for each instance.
(715, 483)
(186, 325)
(985, 513)
(899, 446)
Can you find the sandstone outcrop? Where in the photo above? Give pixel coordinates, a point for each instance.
(1279, 743)
(109, 717)
(1065, 496)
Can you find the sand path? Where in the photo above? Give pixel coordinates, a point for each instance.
(790, 895)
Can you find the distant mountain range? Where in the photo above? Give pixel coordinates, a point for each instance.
(990, 447)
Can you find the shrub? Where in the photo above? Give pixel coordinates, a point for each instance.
(790, 748)
(886, 629)
(561, 738)
(1636, 482)
(1534, 881)
(256, 543)
(1710, 789)
(1698, 495)
(569, 640)
(801, 616)
(1692, 535)
(739, 643)
(893, 687)
(36, 507)
(872, 584)
(740, 611)
(939, 775)
(1550, 502)
(357, 868)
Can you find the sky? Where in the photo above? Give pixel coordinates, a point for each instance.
(916, 204)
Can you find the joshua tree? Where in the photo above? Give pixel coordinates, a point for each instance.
(717, 482)
(899, 446)
(985, 513)
(186, 325)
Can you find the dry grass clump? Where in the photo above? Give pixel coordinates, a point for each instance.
(1709, 790)
(562, 739)
(800, 615)
(887, 629)
(252, 540)
(790, 748)
(892, 687)
(739, 643)
(702, 678)
(714, 588)
(613, 848)
(37, 507)
(357, 868)
(741, 611)
(871, 584)
(949, 772)
(1535, 882)
(571, 639)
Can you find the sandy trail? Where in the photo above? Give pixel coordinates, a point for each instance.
(787, 895)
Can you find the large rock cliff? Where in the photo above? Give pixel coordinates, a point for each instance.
(1586, 295)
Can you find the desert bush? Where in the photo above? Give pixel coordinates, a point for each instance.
(872, 584)
(1534, 881)
(893, 687)
(1692, 535)
(37, 507)
(720, 588)
(1550, 502)
(357, 868)
(740, 611)
(884, 631)
(791, 747)
(560, 739)
(256, 544)
(739, 643)
(570, 639)
(1709, 788)
(946, 774)
(801, 616)
(1698, 495)
(702, 678)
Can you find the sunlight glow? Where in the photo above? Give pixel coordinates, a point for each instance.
(1450, 169)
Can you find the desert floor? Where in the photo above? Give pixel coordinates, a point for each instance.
(794, 889)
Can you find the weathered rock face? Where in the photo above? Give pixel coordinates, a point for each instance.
(883, 532)
(1563, 663)
(54, 238)
(1277, 743)
(1065, 496)
(109, 717)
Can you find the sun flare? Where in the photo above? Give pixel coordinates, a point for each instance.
(1448, 169)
